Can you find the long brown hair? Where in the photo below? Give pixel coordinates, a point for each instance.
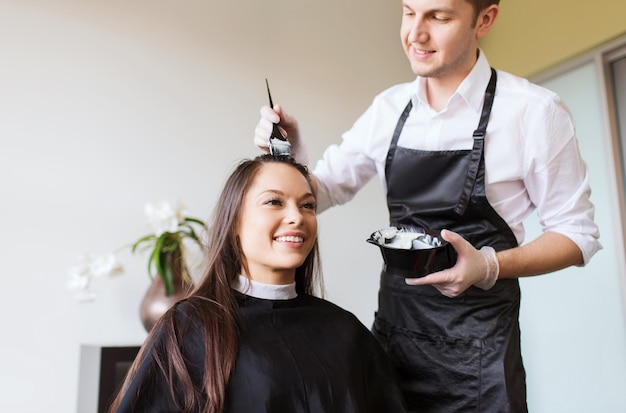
(213, 303)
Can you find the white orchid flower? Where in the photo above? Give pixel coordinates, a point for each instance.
(164, 217)
(89, 267)
(105, 265)
(77, 280)
(79, 275)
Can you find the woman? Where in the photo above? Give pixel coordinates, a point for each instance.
(252, 337)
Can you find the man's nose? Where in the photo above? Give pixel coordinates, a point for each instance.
(419, 31)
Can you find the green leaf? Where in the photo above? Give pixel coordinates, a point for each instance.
(170, 244)
(142, 240)
(191, 233)
(196, 221)
(166, 274)
(155, 256)
(165, 247)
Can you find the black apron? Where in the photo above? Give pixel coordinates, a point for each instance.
(452, 354)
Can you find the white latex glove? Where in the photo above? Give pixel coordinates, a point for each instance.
(288, 125)
(473, 267)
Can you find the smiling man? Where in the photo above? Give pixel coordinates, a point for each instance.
(469, 151)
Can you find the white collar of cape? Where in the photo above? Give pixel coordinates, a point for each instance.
(264, 291)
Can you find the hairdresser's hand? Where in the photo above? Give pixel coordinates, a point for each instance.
(473, 267)
(288, 125)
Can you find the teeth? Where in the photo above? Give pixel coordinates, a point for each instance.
(290, 239)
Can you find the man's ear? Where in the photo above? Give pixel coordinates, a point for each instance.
(486, 19)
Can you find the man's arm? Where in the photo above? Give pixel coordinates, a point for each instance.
(547, 253)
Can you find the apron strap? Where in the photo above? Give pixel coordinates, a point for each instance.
(476, 157)
(396, 135)
(477, 151)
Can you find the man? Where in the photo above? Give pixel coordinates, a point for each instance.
(472, 152)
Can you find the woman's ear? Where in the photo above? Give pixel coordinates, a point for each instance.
(486, 19)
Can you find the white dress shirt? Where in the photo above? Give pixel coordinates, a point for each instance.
(532, 159)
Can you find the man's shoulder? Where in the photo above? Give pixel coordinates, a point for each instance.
(393, 99)
(398, 91)
(516, 85)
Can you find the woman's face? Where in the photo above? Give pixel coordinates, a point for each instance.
(278, 225)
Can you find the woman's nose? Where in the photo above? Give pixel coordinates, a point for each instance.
(293, 215)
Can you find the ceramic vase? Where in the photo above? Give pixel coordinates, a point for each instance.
(155, 302)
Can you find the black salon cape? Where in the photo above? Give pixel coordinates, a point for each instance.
(299, 355)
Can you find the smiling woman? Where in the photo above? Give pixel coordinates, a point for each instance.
(278, 226)
(252, 337)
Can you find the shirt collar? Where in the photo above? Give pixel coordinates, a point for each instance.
(471, 89)
(258, 289)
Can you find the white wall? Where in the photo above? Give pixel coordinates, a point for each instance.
(106, 105)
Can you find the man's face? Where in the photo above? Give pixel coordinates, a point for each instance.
(440, 38)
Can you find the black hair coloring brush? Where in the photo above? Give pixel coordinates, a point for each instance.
(278, 143)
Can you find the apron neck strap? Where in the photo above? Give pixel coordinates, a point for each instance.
(481, 131)
(478, 151)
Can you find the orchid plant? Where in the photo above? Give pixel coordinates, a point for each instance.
(171, 226)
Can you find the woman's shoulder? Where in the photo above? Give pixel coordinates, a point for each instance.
(333, 312)
(322, 303)
(184, 310)
(194, 304)
(186, 316)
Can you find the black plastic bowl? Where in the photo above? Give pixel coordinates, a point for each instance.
(415, 262)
